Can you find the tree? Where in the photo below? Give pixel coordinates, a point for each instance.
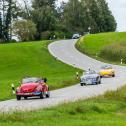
(80, 15)
(44, 16)
(1, 28)
(25, 9)
(24, 29)
(108, 22)
(72, 16)
(8, 9)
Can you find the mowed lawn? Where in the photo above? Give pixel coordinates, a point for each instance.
(19, 60)
(106, 110)
(94, 44)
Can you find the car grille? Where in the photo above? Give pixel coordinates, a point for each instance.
(84, 80)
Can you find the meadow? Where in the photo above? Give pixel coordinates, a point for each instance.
(105, 110)
(18, 60)
(108, 47)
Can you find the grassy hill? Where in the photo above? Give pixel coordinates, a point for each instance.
(18, 60)
(106, 110)
(109, 47)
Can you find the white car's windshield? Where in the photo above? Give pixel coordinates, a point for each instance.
(90, 72)
(31, 80)
(106, 67)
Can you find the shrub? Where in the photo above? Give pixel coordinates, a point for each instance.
(46, 35)
(114, 52)
(24, 29)
(58, 35)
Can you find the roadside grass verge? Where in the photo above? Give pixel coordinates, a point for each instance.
(108, 47)
(114, 52)
(18, 60)
(105, 110)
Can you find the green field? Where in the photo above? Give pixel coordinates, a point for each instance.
(104, 46)
(106, 110)
(18, 60)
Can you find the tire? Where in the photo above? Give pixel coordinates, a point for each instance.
(48, 95)
(113, 75)
(99, 82)
(18, 97)
(25, 97)
(81, 84)
(41, 96)
(96, 83)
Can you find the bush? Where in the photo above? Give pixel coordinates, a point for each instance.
(58, 35)
(46, 35)
(24, 29)
(114, 52)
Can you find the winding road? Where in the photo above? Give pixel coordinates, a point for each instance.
(66, 52)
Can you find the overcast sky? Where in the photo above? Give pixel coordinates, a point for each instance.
(118, 8)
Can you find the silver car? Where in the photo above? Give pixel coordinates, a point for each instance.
(90, 77)
(76, 36)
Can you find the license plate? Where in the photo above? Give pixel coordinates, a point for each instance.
(27, 93)
(89, 82)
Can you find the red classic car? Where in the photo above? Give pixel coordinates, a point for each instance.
(32, 86)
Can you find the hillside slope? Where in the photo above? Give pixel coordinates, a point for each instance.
(18, 60)
(104, 46)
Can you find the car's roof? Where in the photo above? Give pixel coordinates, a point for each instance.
(90, 72)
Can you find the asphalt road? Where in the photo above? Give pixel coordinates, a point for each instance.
(66, 52)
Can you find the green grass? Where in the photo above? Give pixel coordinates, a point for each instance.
(93, 45)
(18, 60)
(106, 110)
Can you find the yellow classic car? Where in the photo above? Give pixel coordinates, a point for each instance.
(107, 70)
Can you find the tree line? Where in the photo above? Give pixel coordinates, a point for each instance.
(43, 19)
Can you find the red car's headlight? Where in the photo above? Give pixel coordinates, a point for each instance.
(38, 88)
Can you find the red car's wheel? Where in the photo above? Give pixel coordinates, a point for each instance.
(18, 97)
(113, 75)
(48, 95)
(41, 95)
(25, 97)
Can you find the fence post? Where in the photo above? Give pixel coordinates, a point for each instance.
(77, 75)
(13, 88)
(121, 61)
(96, 55)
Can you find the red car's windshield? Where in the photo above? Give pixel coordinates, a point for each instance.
(31, 80)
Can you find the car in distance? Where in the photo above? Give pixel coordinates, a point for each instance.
(107, 70)
(76, 36)
(90, 77)
(32, 86)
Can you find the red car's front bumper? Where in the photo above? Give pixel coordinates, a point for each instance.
(28, 94)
